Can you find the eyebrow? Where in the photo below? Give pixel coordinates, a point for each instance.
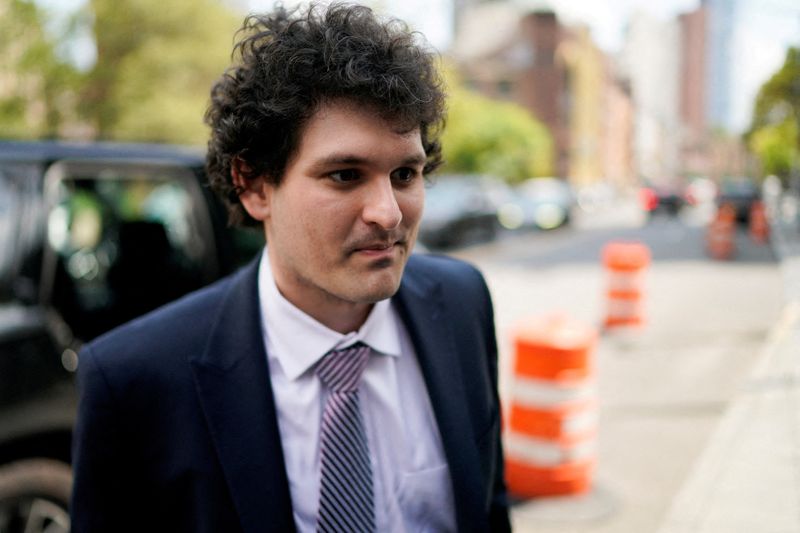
(352, 159)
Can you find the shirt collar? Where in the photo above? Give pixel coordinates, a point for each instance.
(298, 341)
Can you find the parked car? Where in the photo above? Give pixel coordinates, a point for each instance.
(516, 211)
(740, 192)
(459, 209)
(91, 235)
(550, 201)
(667, 199)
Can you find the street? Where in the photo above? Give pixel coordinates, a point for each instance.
(661, 389)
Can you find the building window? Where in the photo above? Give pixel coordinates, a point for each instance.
(504, 88)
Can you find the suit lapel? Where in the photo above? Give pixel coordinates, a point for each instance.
(236, 396)
(422, 308)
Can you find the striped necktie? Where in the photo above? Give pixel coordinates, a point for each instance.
(346, 500)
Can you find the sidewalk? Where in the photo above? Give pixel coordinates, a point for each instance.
(748, 478)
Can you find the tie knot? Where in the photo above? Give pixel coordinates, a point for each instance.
(340, 370)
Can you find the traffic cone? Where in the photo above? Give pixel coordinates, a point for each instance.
(626, 263)
(552, 419)
(721, 233)
(759, 227)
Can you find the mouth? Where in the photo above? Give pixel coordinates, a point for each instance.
(378, 249)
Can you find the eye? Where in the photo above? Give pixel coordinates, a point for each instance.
(404, 175)
(344, 175)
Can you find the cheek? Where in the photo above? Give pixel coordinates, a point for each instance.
(411, 204)
(322, 222)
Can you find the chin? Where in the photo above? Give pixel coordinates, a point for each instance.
(378, 290)
(378, 294)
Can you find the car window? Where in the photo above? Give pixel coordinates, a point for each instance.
(123, 241)
(740, 187)
(21, 224)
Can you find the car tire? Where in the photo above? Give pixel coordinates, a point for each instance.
(34, 496)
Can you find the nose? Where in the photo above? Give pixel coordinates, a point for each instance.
(380, 205)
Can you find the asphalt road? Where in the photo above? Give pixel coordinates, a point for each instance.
(662, 388)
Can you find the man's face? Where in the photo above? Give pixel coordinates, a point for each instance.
(343, 220)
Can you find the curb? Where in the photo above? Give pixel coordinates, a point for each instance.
(747, 478)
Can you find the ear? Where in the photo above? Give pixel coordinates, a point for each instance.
(254, 193)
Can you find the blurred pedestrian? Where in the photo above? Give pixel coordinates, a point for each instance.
(337, 383)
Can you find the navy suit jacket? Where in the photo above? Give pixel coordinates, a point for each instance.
(177, 428)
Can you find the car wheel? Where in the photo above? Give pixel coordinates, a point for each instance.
(34, 496)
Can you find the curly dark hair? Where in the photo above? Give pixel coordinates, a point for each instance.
(288, 63)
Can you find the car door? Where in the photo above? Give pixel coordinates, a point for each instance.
(122, 238)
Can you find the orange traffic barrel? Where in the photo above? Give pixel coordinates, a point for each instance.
(759, 227)
(626, 264)
(721, 233)
(551, 423)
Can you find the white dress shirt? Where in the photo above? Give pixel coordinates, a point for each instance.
(411, 479)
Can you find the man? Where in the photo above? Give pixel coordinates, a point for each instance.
(335, 384)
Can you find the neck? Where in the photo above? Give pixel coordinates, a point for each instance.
(339, 315)
(342, 317)
(339, 318)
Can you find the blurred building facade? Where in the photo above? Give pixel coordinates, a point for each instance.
(694, 138)
(650, 61)
(654, 113)
(584, 67)
(522, 53)
(720, 22)
(617, 142)
(679, 75)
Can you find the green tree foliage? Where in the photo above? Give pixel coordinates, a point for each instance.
(776, 146)
(491, 137)
(37, 88)
(156, 62)
(773, 136)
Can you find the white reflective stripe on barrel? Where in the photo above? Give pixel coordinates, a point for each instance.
(580, 422)
(542, 452)
(532, 392)
(625, 281)
(624, 308)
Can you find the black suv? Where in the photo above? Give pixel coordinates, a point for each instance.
(91, 236)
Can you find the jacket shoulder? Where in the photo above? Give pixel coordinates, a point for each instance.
(178, 326)
(450, 273)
